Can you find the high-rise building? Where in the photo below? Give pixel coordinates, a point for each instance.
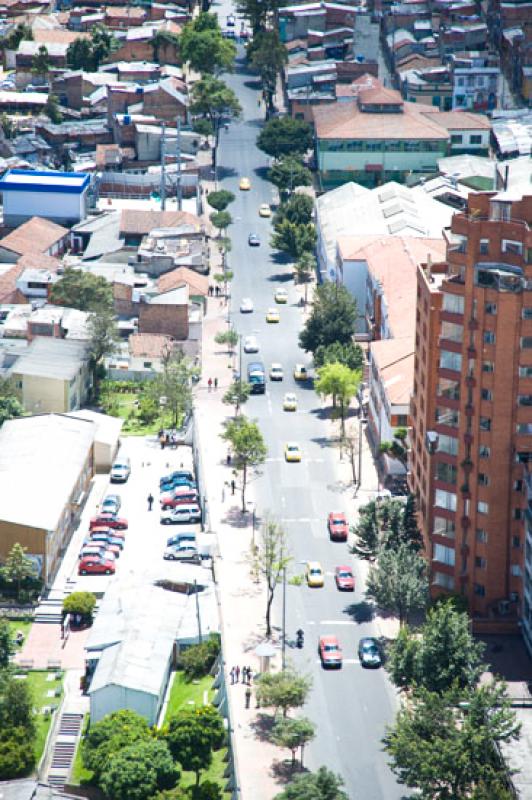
(471, 411)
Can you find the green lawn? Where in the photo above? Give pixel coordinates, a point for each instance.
(184, 692)
(124, 404)
(40, 686)
(23, 625)
(79, 775)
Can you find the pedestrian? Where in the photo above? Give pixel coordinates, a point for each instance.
(232, 675)
(223, 493)
(237, 673)
(233, 486)
(250, 675)
(228, 459)
(174, 440)
(209, 384)
(248, 696)
(167, 439)
(216, 383)
(247, 676)
(150, 501)
(162, 439)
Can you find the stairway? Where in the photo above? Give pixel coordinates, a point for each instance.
(64, 750)
(49, 611)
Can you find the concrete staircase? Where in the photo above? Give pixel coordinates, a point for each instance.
(64, 749)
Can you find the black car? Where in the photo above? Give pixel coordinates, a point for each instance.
(253, 240)
(369, 652)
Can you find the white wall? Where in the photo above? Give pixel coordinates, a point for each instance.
(49, 205)
(115, 698)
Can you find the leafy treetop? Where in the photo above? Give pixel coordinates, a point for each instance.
(82, 290)
(284, 136)
(332, 319)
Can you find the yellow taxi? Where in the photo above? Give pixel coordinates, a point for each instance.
(281, 296)
(290, 402)
(245, 184)
(314, 574)
(300, 372)
(272, 315)
(292, 452)
(264, 210)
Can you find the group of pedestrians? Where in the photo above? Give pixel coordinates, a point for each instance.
(215, 291)
(246, 672)
(167, 439)
(211, 383)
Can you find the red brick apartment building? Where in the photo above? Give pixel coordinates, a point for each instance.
(471, 412)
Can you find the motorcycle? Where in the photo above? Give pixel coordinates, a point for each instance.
(300, 640)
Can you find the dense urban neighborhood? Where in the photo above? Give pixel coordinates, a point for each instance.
(265, 400)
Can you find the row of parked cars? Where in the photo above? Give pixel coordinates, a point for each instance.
(180, 503)
(105, 539)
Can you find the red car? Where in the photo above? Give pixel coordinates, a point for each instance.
(330, 651)
(338, 527)
(96, 565)
(345, 580)
(181, 496)
(108, 521)
(105, 529)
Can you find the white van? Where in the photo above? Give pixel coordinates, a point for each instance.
(121, 469)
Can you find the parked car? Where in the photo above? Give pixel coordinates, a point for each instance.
(169, 486)
(174, 477)
(121, 469)
(185, 513)
(188, 537)
(345, 580)
(96, 549)
(107, 531)
(178, 497)
(111, 520)
(111, 504)
(330, 651)
(253, 240)
(369, 652)
(108, 539)
(338, 527)
(96, 565)
(246, 305)
(181, 553)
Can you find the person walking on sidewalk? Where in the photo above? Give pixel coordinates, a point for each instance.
(232, 675)
(209, 384)
(216, 383)
(150, 501)
(233, 486)
(248, 697)
(237, 673)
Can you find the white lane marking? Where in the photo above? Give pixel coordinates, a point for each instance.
(344, 661)
(337, 622)
(306, 520)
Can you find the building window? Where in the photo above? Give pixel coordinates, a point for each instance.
(500, 211)
(483, 479)
(484, 451)
(445, 555)
(449, 389)
(525, 372)
(450, 360)
(524, 399)
(489, 337)
(518, 485)
(516, 542)
(479, 589)
(526, 313)
(147, 364)
(445, 499)
(402, 420)
(486, 394)
(485, 424)
(443, 527)
(445, 472)
(456, 138)
(487, 366)
(515, 570)
(526, 342)
(447, 444)
(480, 562)
(443, 580)
(509, 246)
(448, 416)
(475, 138)
(452, 331)
(490, 308)
(524, 428)
(481, 535)
(518, 513)
(454, 303)
(484, 247)
(482, 507)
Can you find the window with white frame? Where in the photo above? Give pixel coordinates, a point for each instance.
(443, 554)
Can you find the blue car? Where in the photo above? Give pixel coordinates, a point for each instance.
(167, 486)
(105, 539)
(179, 475)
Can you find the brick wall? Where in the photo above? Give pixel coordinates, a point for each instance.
(169, 320)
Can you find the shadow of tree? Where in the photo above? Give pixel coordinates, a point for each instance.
(284, 771)
(262, 726)
(360, 612)
(280, 277)
(226, 172)
(235, 518)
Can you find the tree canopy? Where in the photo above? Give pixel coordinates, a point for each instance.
(82, 290)
(171, 389)
(249, 449)
(40, 63)
(110, 735)
(203, 46)
(295, 240)
(220, 199)
(138, 771)
(270, 561)
(384, 525)
(88, 54)
(192, 736)
(288, 172)
(283, 690)
(268, 55)
(298, 209)
(284, 136)
(293, 734)
(332, 319)
(10, 405)
(350, 354)
(17, 566)
(320, 785)
(257, 12)
(339, 382)
(398, 581)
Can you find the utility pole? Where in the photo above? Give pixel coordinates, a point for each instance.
(200, 637)
(163, 167)
(178, 164)
(283, 659)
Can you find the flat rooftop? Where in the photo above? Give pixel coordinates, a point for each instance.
(45, 181)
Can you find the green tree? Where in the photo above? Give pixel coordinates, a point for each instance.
(163, 40)
(295, 240)
(350, 354)
(398, 581)
(103, 43)
(283, 690)
(10, 405)
(82, 603)
(287, 173)
(332, 319)
(384, 525)
(204, 48)
(16, 707)
(7, 648)
(88, 54)
(198, 659)
(174, 384)
(212, 99)
(80, 56)
(138, 771)
(284, 136)
(16, 35)
(304, 269)
(268, 55)
(270, 559)
(229, 337)
(397, 448)
(258, 12)
(82, 290)
(298, 209)
(221, 199)
(40, 63)
(17, 567)
(221, 220)
(443, 744)
(110, 735)
(8, 126)
(249, 449)
(17, 753)
(320, 785)
(293, 734)
(51, 109)
(192, 735)
(341, 383)
(410, 529)
(103, 340)
(236, 395)
(442, 655)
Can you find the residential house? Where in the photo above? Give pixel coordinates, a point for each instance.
(165, 249)
(167, 100)
(198, 285)
(148, 352)
(35, 237)
(141, 44)
(166, 313)
(431, 86)
(475, 79)
(136, 224)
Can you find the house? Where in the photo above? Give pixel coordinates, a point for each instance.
(135, 224)
(166, 100)
(35, 237)
(57, 196)
(53, 375)
(198, 285)
(54, 454)
(22, 102)
(431, 86)
(475, 78)
(165, 249)
(469, 133)
(166, 313)
(147, 352)
(107, 431)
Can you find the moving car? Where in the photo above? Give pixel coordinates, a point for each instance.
(345, 580)
(265, 210)
(96, 565)
(111, 504)
(300, 372)
(281, 296)
(314, 574)
(338, 527)
(110, 520)
(251, 344)
(292, 452)
(184, 474)
(369, 653)
(330, 651)
(187, 513)
(290, 402)
(246, 305)
(272, 315)
(253, 240)
(276, 372)
(180, 496)
(244, 185)
(185, 552)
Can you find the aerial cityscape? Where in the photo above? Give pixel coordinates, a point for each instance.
(265, 400)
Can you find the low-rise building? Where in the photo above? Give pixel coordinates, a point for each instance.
(57, 196)
(35, 237)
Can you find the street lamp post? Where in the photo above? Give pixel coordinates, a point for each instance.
(283, 651)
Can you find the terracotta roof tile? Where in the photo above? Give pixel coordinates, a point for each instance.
(36, 235)
(461, 120)
(198, 284)
(57, 36)
(8, 281)
(136, 221)
(346, 121)
(150, 345)
(39, 261)
(394, 359)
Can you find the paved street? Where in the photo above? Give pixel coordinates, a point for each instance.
(352, 706)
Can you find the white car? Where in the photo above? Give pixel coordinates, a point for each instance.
(251, 344)
(276, 372)
(185, 552)
(246, 306)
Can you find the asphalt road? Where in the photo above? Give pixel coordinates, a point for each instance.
(350, 706)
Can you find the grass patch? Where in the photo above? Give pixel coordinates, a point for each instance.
(40, 687)
(184, 692)
(125, 405)
(80, 775)
(23, 625)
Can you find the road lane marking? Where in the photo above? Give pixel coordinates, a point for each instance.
(344, 661)
(337, 622)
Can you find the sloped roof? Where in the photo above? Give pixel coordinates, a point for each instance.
(198, 284)
(36, 235)
(137, 221)
(346, 121)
